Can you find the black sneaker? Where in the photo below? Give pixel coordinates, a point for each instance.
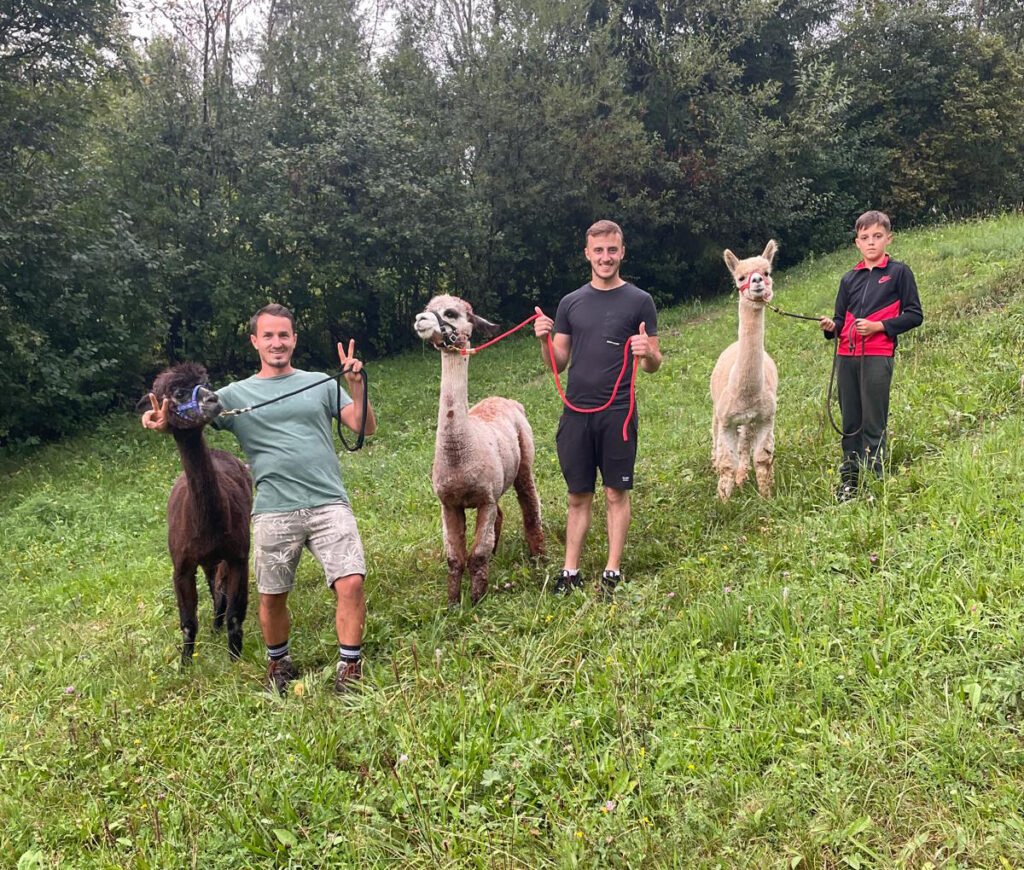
(280, 672)
(609, 580)
(846, 491)
(566, 582)
(347, 676)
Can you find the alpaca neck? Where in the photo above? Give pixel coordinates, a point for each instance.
(453, 408)
(197, 463)
(749, 371)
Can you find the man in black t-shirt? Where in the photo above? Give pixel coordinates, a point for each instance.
(591, 330)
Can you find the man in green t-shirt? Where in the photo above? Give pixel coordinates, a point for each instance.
(300, 498)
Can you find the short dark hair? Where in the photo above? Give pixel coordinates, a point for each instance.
(605, 228)
(274, 310)
(873, 218)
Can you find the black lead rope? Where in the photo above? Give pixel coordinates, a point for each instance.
(831, 382)
(790, 314)
(360, 436)
(832, 376)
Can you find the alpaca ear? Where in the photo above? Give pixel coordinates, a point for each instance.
(483, 327)
(730, 260)
(770, 250)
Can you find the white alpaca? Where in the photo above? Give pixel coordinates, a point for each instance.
(479, 452)
(744, 384)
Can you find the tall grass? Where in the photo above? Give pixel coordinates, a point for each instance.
(780, 683)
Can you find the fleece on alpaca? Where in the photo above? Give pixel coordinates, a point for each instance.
(479, 452)
(744, 384)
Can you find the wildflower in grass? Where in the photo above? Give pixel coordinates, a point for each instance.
(69, 690)
(671, 595)
(548, 618)
(727, 589)
(609, 807)
(579, 835)
(403, 758)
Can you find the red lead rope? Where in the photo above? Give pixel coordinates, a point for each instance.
(558, 383)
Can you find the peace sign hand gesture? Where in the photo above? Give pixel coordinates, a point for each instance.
(156, 416)
(350, 366)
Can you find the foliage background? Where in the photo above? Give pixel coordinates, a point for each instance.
(154, 192)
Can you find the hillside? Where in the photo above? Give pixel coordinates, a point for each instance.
(781, 683)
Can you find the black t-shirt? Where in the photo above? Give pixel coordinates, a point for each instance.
(599, 324)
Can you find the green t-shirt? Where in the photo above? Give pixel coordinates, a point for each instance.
(289, 444)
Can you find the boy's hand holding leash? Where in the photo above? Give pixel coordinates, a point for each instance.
(862, 326)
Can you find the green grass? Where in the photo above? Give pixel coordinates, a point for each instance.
(784, 683)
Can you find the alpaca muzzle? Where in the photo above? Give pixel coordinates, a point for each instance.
(757, 287)
(202, 407)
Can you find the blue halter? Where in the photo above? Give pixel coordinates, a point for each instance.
(191, 411)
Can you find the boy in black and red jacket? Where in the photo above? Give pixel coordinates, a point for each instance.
(877, 301)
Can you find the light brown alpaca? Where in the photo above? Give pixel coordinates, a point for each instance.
(479, 452)
(744, 384)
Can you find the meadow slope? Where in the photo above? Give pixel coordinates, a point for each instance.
(785, 683)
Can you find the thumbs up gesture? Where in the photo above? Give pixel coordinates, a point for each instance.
(640, 344)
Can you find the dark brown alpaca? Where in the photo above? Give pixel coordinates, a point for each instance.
(207, 512)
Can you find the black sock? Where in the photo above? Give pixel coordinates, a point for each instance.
(276, 653)
(349, 653)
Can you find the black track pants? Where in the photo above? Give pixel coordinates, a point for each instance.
(864, 401)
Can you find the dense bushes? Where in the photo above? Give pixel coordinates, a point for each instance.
(152, 196)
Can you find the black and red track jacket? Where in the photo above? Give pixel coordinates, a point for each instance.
(886, 292)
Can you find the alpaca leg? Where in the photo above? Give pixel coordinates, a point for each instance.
(716, 428)
(236, 595)
(453, 521)
(529, 503)
(743, 454)
(217, 580)
(483, 546)
(185, 592)
(499, 521)
(764, 461)
(728, 461)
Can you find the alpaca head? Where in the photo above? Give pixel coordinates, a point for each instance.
(448, 323)
(753, 276)
(191, 404)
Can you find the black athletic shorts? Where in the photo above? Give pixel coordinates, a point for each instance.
(587, 442)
